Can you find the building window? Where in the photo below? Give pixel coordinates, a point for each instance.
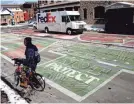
(53, 10)
(39, 2)
(52, 1)
(76, 8)
(85, 13)
(99, 12)
(58, 1)
(45, 1)
(46, 11)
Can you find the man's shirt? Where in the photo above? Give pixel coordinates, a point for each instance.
(30, 53)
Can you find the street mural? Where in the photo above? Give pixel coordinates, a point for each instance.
(124, 40)
(83, 67)
(78, 67)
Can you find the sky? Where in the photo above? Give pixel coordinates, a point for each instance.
(16, 1)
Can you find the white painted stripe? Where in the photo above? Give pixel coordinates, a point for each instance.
(10, 40)
(13, 97)
(63, 90)
(56, 53)
(102, 62)
(100, 86)
(51, 60)
(48, 46)
(7, 58)
(128, 71)
(4, 47)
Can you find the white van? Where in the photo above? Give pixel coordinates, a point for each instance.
(60, 21)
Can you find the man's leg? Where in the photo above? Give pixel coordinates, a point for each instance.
(33, 67)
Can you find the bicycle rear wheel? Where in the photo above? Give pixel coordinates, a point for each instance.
(38, 83)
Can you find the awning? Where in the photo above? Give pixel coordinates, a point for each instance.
(119, 5)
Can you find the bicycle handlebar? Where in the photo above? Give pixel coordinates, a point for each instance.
(18, 61)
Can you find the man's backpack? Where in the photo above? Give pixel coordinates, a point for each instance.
(37, 57)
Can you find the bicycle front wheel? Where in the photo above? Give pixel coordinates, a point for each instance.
(38, 83)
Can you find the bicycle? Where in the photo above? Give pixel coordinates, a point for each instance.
(35, 80)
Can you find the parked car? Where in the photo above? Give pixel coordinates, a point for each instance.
(35, 25)
(30, 23)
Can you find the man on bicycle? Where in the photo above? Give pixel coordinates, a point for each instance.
(31, 54)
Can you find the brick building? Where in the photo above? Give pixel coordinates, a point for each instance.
(29, 10)
(92, 12)
(18, 14)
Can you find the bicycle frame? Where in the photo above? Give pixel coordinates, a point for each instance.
(30, 79)
(18, 69)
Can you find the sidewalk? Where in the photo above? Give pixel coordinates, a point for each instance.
(32, 32)
(104, 38)
(17, 25)
(10, 26)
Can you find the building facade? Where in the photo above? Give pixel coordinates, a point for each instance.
(92, 12)
(10, 14)
(5, 17)
(18, 14)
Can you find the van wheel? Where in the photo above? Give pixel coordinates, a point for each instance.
(81, 32)
(34, 27)
(69, 31)
(46, 30)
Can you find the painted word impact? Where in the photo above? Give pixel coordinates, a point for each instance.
(72, 73)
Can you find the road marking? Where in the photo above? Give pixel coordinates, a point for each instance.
(56, 53)
(71, 94)
(54, 85)
(102, 62)
(51, 60)
(48, 46)
(5, 48)
(10, 40)
(63, 90)
(100, 86)
(7, 58)
(128, 71)
(67, 92)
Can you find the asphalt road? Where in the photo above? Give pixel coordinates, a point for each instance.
(117, 86)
